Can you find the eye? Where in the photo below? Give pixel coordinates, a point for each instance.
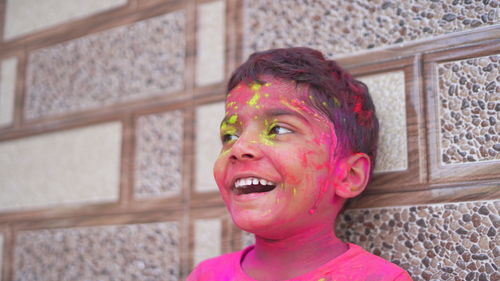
(279, 130)
(228, 138)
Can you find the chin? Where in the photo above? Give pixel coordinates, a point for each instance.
(263, 227)
(252, 223)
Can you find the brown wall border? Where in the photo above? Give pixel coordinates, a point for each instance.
(415, 174)
(460, 172)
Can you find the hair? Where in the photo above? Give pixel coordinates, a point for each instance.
(332, 90)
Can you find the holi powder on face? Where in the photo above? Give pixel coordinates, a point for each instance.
(255, 96)
(229, 105)
(264, 136)
(255, 87)
(328, 182)
(224, 152)
(227, 129)
(328, 139)
(232, 119)
(253, 101)
(300, 106)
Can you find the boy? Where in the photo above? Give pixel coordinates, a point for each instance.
(299, 139)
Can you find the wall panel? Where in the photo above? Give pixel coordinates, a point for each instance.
(7, 91)
(126, 63)
(432, 242)
(26, 16)
(343, 27)
(78, 166)
(463, 119)
(1, 255)
(210, 43)
(110, 115)
(158, 167)
(124, 252)
(389, 95)
(208, 144)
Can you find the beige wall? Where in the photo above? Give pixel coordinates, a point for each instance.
(108, 129)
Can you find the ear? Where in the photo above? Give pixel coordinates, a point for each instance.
(352, 175)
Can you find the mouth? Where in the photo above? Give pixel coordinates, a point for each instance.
(252, 185)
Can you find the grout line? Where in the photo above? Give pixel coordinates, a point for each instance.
(421, 205)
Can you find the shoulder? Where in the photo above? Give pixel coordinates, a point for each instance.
(368, 266)
(224, 267)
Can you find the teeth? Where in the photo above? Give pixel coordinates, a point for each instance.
(240, 183)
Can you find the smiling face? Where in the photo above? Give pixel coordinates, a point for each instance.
(275, 171)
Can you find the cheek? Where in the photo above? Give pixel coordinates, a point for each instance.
(218, 168)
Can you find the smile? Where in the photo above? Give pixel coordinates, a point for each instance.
(252, 185)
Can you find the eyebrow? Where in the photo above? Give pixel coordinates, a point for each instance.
(275, 113)
(284, 112)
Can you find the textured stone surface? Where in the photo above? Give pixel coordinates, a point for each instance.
(469, 110)
(26, 16)
(388, 93)
(122, 252)
(7, 90)
(208, 144)
(158, 162)
(110, 67)
(456, 241)
(1, 255)
(436, 242)
(210, 43)
(341, 27)
(77, 166)
(207, 239)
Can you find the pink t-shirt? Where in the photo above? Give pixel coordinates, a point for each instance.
(355, 264)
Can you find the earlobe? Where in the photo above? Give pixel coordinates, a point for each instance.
(352, 175)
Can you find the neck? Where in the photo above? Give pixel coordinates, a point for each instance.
(293, 256)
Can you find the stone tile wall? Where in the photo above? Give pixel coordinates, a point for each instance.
(388, 94)
(158, 162)
(434, 242)
(342, 27)
(208, 144)
(95, 108)
(207, 239)
(122, 64)
(113, 252)
(27, 16)
(7, 90)
(210, 43)
(469, 110)
(1, 255)
(79, 166)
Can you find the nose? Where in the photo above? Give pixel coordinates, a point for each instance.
(245, 149)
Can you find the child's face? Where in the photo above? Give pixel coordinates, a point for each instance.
(270, 133)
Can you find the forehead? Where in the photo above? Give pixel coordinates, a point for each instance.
(269, 88)
(270, 95)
